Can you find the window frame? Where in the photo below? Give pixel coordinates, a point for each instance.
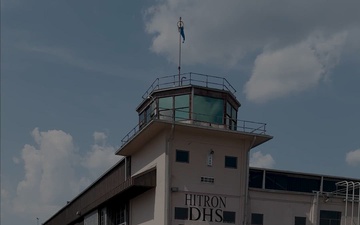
(326, 217)
(259, 216)
(300, 220)
(181, 213)
(177, 157)
(229, 217)
(227, 165)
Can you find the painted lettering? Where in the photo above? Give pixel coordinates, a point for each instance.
(206, 201)
(188, 198)
(210, 214)
(219, 215)
(199, 199)
(214, 201)
(195, 213)
(223, 202)
(205, 207)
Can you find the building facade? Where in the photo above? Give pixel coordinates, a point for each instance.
(186, 162)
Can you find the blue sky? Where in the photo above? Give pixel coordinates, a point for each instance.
(73, 72)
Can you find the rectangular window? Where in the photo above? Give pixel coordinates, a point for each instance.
(128, 166)
(231, 116)
(91, 218)
(257, 219)
(142, 120)
(231, 162)
(166, 103)
(117, 214)
(207, 109)
(181, 213)
(166, 108)
(182, 108)
(289, 182)
(299, 220)
(255, 178)
(182, 156)
(330, 217)
(229, 217)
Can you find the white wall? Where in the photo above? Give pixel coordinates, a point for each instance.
(229, 183)
(280, 207)
(149, 208)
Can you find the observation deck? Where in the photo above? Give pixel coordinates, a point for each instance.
(193, 99)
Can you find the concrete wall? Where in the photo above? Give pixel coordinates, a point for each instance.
(280, 207)
(229, 184)
(149, 208)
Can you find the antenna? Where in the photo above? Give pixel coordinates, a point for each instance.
(180, 26)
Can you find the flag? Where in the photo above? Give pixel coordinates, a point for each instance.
(181, 30)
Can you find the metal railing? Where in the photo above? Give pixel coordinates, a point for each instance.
(240, 125)
(186, 79)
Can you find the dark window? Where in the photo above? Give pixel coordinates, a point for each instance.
(289, 182)
(128, 166)
(329, 185)
(142, 120)
(255, 178)
(228, 217)
(182, 156)
(102, 216)
(330, 217)
(231, 116)
(117, 214)
(275, 181)
(208, 109)
(182, 107)
(166, 108)
(181, 213)
(257, 219)
(299, 220)
(230, 162)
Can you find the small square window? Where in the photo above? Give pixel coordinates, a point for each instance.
(257, 219)
(299, 220)
(182, 156)
(181, 213)
(228, 217)
(230, 162)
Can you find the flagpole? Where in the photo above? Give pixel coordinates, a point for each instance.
(180, 26)
(179, 67)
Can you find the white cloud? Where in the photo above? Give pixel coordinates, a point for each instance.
(99, 137)
(353, 157)
(294, 50)
(294, 68)
(51, 176)
(16, 160)
(43, 189)
(260, 160)
(101, 156)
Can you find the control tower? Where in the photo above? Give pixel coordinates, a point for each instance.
(189, 131)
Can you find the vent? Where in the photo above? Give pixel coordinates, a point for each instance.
(208, 180)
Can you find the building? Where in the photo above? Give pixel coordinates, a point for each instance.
(186, 162)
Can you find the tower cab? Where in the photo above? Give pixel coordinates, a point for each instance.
(196, 99)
